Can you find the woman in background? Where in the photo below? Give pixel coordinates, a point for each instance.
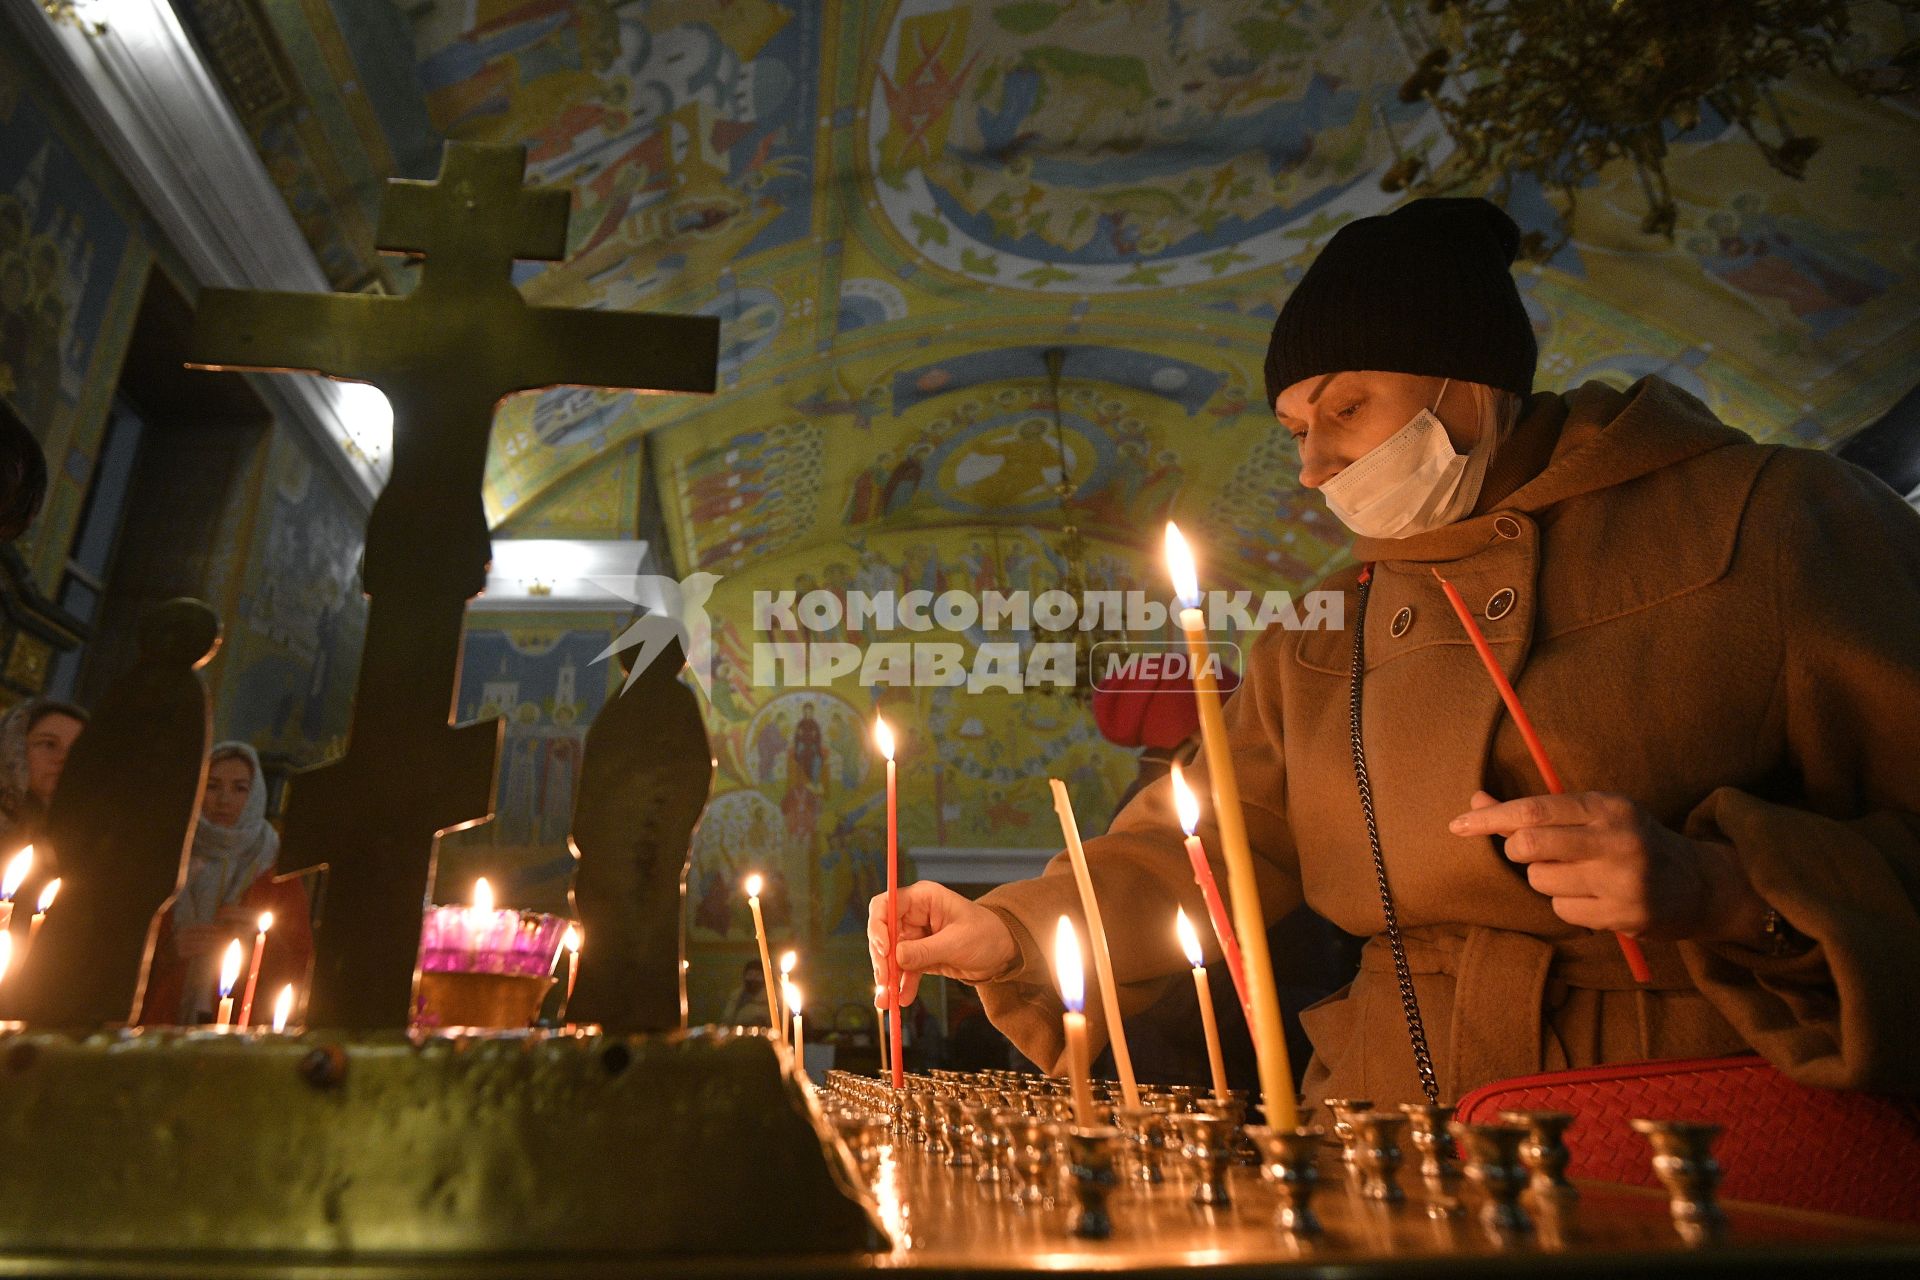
(34, 740)
(230, 881)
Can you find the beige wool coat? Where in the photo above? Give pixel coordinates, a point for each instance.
(1726, 632)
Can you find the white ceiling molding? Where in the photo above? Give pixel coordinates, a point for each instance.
(155, 106)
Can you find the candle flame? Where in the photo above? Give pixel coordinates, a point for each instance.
(1180, 567)
(1185, 803)
(883, 736)
(572, 939)
(282, 1008)
(788, 959)
(790, 992)
(230, 969)
(482, 895)
(16, 873)
(265, 922)
(1067, 968)
(1189, 940)
(48, 894)
(754, 885)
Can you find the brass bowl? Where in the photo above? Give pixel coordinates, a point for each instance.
(498, 1001)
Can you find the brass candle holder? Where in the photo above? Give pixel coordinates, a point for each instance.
(1545, 1153)
(1091, 1154)
(1683, 1161)
(1492, 1154)
(1142, 1129)
(1031, 1158)
(1343, 1110)
(1208, 1142)
(1376, 1154)
(1427, 1131)
(1289, 1161)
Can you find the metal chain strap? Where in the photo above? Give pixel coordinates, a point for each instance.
(1416, 1030)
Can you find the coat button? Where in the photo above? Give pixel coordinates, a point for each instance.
(1401, 621)
(1506, 526)
(1500, 603)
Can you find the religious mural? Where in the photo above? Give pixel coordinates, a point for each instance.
(70, 272)
(291, 657)
(543, 677)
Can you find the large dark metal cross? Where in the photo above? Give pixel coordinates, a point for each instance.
(445, 355)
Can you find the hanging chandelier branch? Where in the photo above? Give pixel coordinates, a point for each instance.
(1559, 89)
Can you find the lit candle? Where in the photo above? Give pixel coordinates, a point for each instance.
(788, 959)
(1636, 958)
(1073, 993)
(479, 920)
(47, 895)
(1269, 1040)
(6, 953)
(571, 942)
(253, 967)
(10, 881)
(880, 1022)
(883, 738)
(282, 1008)
(754, 885)
(790, 992)
(1102, 961)
(1187, 805)
(1190, 943)
(229, 975)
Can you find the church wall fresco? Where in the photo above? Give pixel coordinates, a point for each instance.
(72, 259)
(292, 650)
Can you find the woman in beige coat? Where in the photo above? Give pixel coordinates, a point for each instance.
(1718, 640)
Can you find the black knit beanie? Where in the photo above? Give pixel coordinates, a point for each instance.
(1424, 289)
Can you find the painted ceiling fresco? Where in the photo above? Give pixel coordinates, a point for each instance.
(896, 205)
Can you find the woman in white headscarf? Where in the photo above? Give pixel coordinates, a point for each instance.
(34, 740)
(230, 882)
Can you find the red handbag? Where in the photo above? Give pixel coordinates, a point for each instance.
(1783, 1143)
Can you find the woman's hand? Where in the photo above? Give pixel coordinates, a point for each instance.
(191, 940)
(941, 933)
(1606, 864)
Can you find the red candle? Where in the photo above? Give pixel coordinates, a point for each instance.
(253, 968)
(1636, 959)
(884, 737)
(1188, 807)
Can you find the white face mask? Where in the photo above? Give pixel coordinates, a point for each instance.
(1413, 480)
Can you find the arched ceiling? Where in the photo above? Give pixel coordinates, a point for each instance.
(895, 206)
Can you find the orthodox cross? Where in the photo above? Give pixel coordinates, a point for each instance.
(445, 355)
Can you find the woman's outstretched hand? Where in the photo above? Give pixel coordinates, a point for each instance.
(941, 933)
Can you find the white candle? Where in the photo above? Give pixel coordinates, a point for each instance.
(229, 976)
(1269, 1038)
(47, 895)
(1190, 943)
(253, 967)
(791, 992)
(788, 959)
(11, 879)
(6, 953)
(282, 1008)
(1072, 978)
(753, 886)
(1102, 959)
(572, 945)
